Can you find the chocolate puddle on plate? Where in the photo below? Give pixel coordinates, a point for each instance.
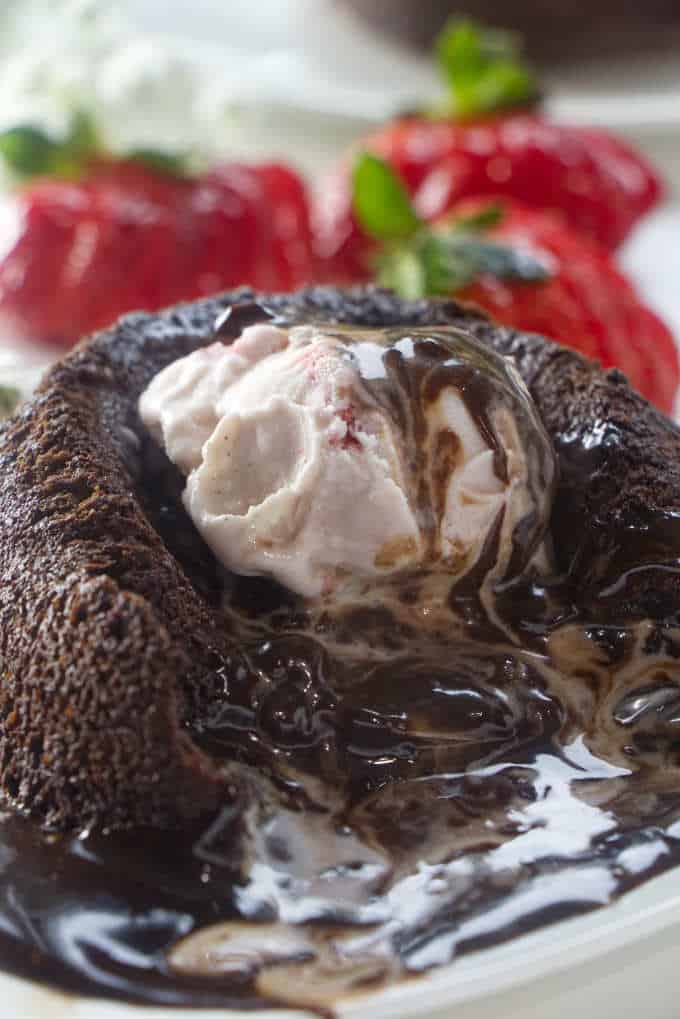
(411, 815)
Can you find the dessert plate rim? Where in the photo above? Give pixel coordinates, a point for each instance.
(544, 955)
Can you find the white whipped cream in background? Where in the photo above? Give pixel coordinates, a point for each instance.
(295, 472)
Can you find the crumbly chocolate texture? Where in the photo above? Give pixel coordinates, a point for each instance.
(110, 633)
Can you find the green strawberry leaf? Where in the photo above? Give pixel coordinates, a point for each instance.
(381, 202)
(486, 217)
(163, 162)
(29, 151)
(491, 258)
(441, 263)
(9, 398)
(417, 260)
(484, 70)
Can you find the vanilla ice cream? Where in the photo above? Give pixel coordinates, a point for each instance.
(316, 456)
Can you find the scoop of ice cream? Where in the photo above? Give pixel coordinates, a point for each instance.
(323, 456)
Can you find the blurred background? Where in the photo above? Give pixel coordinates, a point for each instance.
(300, 80)
(554, 30)
(302, 77)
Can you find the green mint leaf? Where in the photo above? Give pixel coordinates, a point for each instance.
(163, 162)
(484, 70)
(9, 398)
(381, 202)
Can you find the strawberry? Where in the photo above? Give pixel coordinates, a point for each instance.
(95, 236)
(523, 266)
(229, 231)
(291, 226)
(488, 139)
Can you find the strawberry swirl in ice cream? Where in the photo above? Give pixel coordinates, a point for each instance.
(330, 459)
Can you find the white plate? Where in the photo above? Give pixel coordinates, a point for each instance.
(619, 960)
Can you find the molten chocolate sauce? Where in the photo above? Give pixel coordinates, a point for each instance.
(406, 795)
(237, 317)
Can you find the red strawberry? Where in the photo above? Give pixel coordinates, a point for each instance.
(527, 269)
(587, 303)
(230, 232)
(482, 144)
(134, 233)
(292, 233)
(30, 268)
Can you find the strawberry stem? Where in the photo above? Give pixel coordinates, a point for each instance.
(484, 70)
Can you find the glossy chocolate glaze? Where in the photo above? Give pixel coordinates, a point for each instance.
(237, 317)
(405, 795)
(406, 374)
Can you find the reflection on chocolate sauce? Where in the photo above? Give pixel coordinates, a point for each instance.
(406, 375)
(405, 796)
(237, 317)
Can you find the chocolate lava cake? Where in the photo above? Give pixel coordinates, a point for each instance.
(127, 697)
